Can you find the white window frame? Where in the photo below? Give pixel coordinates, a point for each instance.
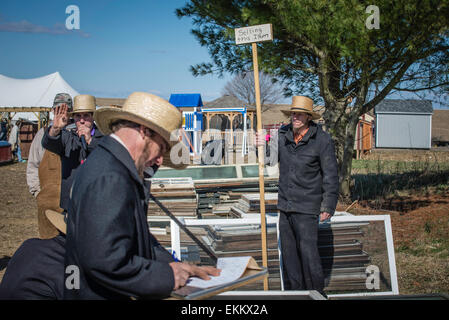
(342, 217)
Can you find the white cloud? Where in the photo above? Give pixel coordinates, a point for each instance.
(28, 27)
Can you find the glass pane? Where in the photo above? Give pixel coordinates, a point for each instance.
(252, 171)
(199, 173)
(354, 257)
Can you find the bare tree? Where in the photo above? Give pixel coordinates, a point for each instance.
(242, 87)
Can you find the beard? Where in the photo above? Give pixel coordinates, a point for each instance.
(142, 160)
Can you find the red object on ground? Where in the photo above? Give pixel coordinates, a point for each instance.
(5, 152)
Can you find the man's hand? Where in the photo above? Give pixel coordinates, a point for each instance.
(324, 216)
(85, 131)
(60, 120)
(182, 272)
(259, 139)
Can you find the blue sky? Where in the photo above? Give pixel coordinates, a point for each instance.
(121, 47)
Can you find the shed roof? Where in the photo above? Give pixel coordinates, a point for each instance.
(186, 100)
(226, 101)
(271, 114)
(404, 106)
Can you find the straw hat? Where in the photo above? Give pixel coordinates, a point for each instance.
(148, 110)
(57, 220)
(302, 104)
(84, 103)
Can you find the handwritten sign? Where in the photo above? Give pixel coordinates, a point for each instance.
(262, 32)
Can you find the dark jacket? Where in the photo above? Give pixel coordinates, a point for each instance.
(35, 271)
(69, 147)
(107, 231)
(308, 177)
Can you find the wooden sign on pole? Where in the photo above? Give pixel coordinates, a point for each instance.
(254, 34)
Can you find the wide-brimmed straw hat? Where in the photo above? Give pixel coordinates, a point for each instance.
(84, 103)
(57, 220)
(150, 111)
(302, 104)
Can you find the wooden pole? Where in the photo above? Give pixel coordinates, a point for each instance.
(261, 152)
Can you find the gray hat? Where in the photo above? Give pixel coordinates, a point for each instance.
(61, 98)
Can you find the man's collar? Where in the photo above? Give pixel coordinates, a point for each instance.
(310, 133)
(121, 153)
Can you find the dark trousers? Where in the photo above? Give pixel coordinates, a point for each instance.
(301, 260)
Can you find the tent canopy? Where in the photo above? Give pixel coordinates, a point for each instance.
(31, 94)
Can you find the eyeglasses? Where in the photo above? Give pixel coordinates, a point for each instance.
(78, 116)
(150, 134)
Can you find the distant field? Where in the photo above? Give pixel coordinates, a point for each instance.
(397, 166)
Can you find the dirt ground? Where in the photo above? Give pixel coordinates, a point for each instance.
(18, 211)
(421, 240)
(420, 228)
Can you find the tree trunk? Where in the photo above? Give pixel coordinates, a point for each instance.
(339, 123)
(341, 126)
(345, 164)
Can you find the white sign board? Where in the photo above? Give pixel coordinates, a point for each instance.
(262, 32)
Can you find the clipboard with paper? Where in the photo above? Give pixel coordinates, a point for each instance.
(235, 272)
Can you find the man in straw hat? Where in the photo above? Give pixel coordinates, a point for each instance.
(72, 146)
(308, 188)
(108, 237)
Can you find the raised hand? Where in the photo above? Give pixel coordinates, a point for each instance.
(60, 119)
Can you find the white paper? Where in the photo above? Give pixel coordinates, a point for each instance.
(232, 268)
(261, 32)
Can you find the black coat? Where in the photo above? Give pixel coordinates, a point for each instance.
(107, 232)
(35, 271)
(67, 144)
(308, 174)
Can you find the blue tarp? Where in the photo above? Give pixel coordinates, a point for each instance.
(186, 100)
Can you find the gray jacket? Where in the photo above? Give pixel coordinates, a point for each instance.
(34, 159)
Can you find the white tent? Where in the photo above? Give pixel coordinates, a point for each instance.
(31, 95)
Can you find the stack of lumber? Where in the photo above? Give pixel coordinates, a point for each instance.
(206, 202)
(224, 210)
(250, 203)
(190, 252)
(340, 246)
(214, 196)
(343, 257)
(177, 194)
(245, 240)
